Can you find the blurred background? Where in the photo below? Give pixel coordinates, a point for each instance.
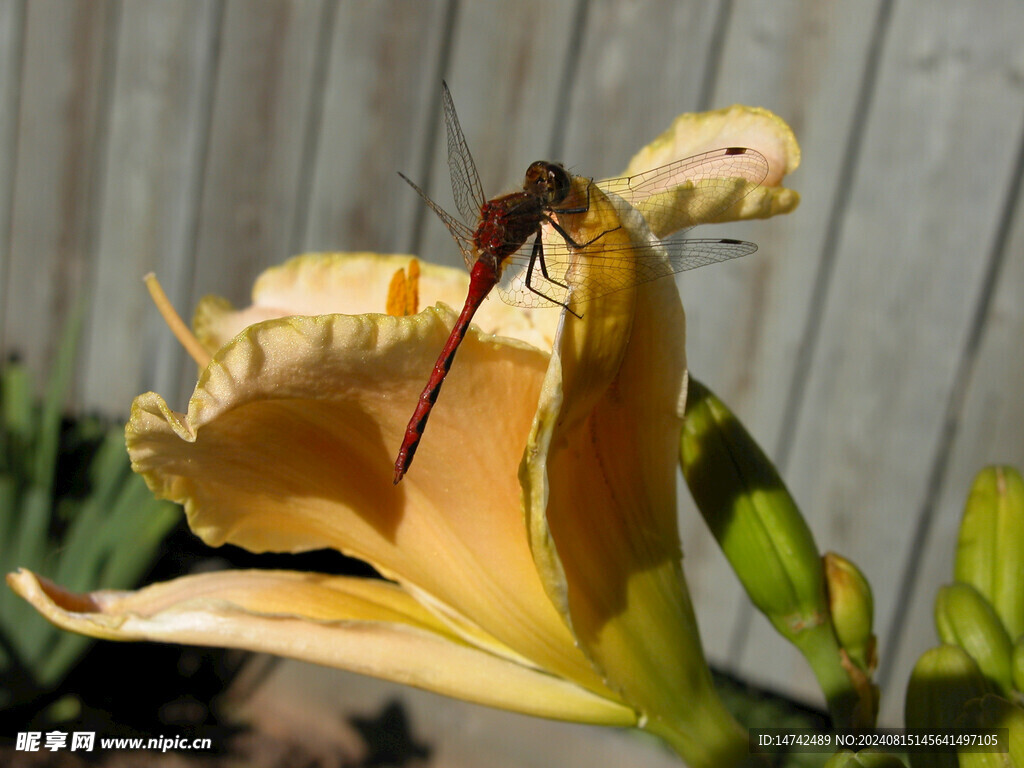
(872, 345)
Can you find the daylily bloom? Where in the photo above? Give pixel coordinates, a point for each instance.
(531, 557)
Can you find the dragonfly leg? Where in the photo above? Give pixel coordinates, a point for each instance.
(579, 208)
(568, 238)
(537, 257)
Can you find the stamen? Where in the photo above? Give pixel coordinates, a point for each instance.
(404, 291)
(412, 292)
(395, 305)
(181, 331)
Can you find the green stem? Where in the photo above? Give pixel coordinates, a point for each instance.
(709, 738)
(688, 712)
(848, 707)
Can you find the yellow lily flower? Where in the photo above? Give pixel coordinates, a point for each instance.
(532, 556)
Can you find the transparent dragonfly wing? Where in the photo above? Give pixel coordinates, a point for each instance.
(677, 196)
(573, 278)
(460, 232)
(466, 186)
(692, 191)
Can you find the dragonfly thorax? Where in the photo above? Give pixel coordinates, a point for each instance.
(506, 223)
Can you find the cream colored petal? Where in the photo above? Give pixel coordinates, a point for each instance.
(365, 626)
(736, 126)
(354, 284)
(682, 207)
(600, 480)
(289, 443)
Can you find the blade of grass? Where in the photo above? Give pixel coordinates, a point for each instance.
(8, 518)
(31, 539)
(122, 548)
(85, 543)
(65, 651)
(31, 547)
(59, 385)
(154, 520)
(16, 424)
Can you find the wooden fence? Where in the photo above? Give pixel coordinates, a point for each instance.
(873, 344)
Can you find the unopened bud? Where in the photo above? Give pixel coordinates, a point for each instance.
(943, 681)
(991, 712)
(751, 514)
(990, 547)
(965, 618)
(852, 608)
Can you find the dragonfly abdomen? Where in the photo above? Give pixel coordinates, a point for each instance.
(481, 280)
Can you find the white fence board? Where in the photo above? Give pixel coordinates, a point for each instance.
(377, 102)
(989, 429)
(747, 320)
(146, 217)
(924, 207)
(261, 108)
(504, 75)
(252, 174)
(640, 65)
(50, 251)
(12, 19)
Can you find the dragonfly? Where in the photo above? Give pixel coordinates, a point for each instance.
(502, 242)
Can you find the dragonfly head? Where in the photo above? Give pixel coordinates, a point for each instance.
(548, 181)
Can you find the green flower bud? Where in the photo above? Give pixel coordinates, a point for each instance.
(1017, 665)
(752, 515)
(994, 712)
(990, 550)
(944, 679)
(866, 758)
(770, 548)
(852, 608)
(965, 618)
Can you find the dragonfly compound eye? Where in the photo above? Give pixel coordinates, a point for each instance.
(560, 183)
(548, 181)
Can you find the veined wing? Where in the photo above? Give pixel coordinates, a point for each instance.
(692, 191)
(574, 278)
(466, 186)
(461, 233)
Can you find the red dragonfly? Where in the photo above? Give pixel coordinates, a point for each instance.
(493, 235)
